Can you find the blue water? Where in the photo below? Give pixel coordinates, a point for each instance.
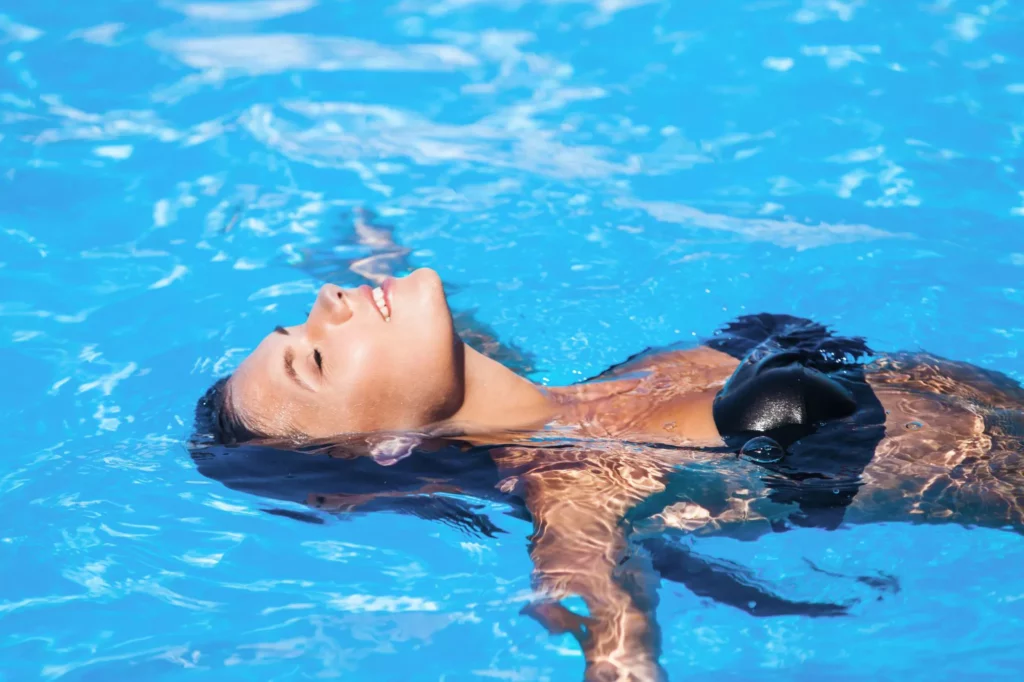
(591, 177)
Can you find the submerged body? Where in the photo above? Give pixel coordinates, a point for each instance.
(950, 452)
(607, 469)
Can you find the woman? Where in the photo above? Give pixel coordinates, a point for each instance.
(607, 465)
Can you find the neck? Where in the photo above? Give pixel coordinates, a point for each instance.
(498, 399)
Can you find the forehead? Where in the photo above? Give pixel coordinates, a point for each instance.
(260, 391)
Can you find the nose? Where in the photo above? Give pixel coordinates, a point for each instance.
(330, 308)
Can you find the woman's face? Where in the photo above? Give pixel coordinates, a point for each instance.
(356, 365)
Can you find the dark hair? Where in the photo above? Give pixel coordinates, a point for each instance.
(216, 422)
(817, 345)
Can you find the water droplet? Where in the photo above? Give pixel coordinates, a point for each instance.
(669, 426)
(762, 450)
(835, 491)
(751, 605)
(914, 426)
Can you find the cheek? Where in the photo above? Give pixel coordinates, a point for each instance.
(427, 357)
(358, 365)
(396, 382)
(366, 383)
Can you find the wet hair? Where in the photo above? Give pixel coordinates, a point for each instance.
(216, 421)
(813, 343)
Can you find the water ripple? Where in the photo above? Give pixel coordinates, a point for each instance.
(591, 177)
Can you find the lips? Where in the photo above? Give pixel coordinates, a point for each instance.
(380, 297)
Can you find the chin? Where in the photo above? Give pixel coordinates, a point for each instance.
(427, 294)
(426, 277)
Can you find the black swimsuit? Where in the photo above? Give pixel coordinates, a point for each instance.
(801, 386)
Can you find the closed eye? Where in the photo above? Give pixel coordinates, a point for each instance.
(319, 360)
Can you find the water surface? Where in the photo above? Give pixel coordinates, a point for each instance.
(591, 177)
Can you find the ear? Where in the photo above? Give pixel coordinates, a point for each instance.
(392, 449)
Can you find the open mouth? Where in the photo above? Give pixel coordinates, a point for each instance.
(380, 300)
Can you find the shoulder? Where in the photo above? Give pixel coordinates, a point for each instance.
(696, 369)
(817, 345)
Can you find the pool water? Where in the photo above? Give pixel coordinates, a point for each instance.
(590, 177)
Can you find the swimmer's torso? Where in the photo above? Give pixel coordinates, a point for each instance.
(949, 447)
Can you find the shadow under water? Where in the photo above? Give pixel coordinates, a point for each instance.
(454, 483)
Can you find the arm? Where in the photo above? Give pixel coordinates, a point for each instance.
(580, 547)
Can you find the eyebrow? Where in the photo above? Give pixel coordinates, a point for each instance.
(289, 368)
(281, 330)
